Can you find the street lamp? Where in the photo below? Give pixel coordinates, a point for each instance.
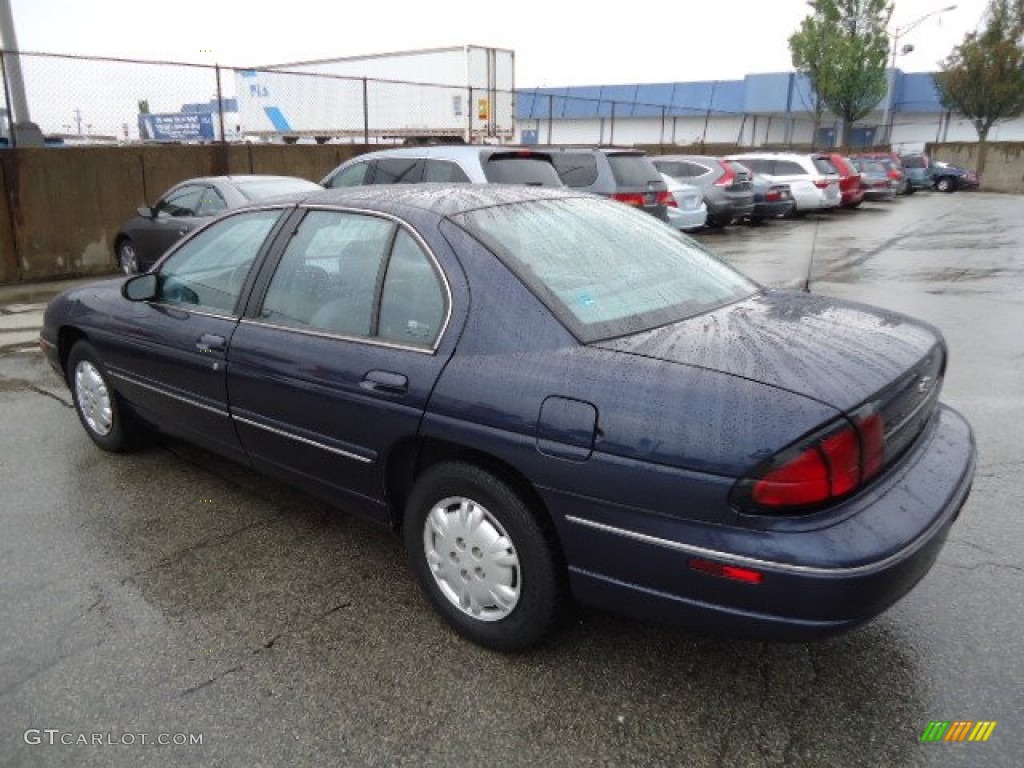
(890, 91)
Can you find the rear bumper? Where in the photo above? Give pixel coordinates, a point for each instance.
(815, 581)
(688, 220)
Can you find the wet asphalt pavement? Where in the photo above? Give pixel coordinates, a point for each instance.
(173, 593)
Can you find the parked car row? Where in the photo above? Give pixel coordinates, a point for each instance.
(687, 191)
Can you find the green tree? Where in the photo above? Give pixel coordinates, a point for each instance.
(842, 47)
(983, 77)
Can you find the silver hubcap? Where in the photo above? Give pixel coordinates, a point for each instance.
(129, 260)
(472, 559)
(93, 398)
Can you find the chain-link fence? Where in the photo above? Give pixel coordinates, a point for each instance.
(93, 99)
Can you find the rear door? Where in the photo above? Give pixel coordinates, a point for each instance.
(335, 366)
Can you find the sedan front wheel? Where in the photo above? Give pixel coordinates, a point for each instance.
(107, 421)
(127, 257)
(485, 559)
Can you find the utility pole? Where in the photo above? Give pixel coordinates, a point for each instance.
(78, 120)
(23, 133)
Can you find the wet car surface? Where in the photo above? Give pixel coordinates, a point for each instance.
(171, 591)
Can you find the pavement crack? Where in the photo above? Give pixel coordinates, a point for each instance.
(984, 564)
(45, 393)
(315, 620)
(202, 544)
(215, 678)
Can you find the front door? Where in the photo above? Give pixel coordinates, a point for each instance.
(168, 355)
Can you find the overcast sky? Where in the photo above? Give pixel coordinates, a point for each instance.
(555, 43)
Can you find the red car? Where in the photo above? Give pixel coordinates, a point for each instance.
(849, 180)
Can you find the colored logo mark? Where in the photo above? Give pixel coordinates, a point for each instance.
(958, 730)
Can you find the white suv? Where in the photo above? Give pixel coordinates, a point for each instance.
(813, 180)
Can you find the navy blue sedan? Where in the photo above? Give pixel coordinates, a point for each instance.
(551, 396)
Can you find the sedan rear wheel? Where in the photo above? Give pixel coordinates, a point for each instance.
(944, 184)
(485, 560)
(107, 421)
(127, 257)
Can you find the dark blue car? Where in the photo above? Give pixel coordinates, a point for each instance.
(550, 395)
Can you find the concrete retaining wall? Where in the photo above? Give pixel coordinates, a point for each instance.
(63, 206)
(1004, 163)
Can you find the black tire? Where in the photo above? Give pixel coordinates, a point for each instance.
(128, 257)
(106, 419)
(909, 189)
(945, 184)
(432, 520)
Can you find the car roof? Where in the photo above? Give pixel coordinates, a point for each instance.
(441, 199)
(445, 150)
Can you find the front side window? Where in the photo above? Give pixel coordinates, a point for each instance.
(604, 269)
(353, 176)
(211, 203)
(183, 201)
(209, 270)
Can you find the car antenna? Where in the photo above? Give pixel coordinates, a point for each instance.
(810, 261)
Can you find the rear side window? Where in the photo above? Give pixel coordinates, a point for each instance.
(913, 162)
(515, 168)
(825, 166)
(789, 168)
(759, 166)
(397, 170)
(444, 171)
(576, 169)
(633, 170)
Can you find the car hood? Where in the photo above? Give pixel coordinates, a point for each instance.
(832, 351)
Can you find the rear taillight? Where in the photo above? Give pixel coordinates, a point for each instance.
(773, 195)
(830, 464)
(665, 198)
(728, 178)
(629, 198)
(822, 183)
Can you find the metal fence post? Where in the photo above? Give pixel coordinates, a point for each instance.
(366, 113)
(220, 105)
(469, 115)
(611, 129)
(551, 115)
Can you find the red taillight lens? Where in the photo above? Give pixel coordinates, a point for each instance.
(728, 178)
(665, 198)
(773, 195)
(629, 198)
(734, 572)
(828, 465)
(821, 184)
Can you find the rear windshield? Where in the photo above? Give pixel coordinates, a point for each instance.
(605, 269)
(514, 168)
(913, 162)
(633, 170)
(260, 189)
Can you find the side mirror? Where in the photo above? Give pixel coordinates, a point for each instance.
(145, 211)
(141, 287)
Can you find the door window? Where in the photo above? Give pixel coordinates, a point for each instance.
(209, 270)
(397, 170)
(211, 203)
(444, 171)
(353, 176)
(328, 276)
(413, 304)
(357, 275)
(181, 202)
